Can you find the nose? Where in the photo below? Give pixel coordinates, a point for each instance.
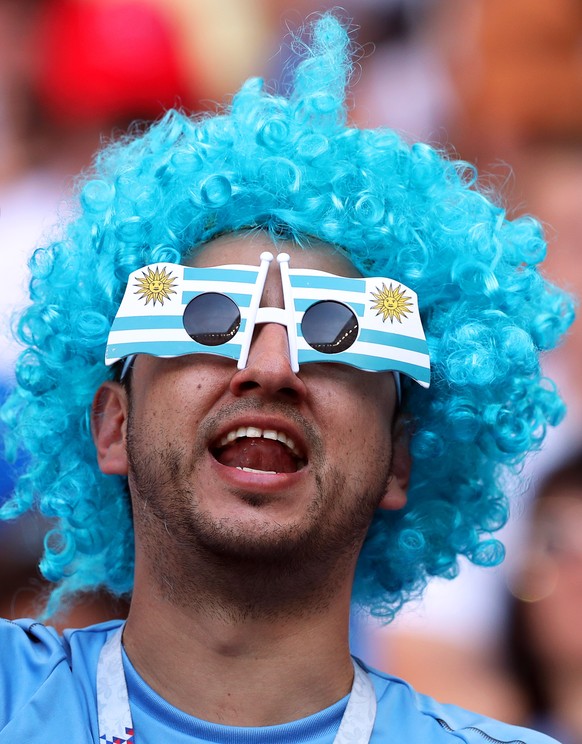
(268, 371)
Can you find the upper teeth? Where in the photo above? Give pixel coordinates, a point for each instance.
(256, 433)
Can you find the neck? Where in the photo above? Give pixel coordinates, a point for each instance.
(236, 668)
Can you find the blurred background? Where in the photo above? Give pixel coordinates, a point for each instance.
(495, 82)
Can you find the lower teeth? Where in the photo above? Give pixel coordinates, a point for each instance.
(252, 470)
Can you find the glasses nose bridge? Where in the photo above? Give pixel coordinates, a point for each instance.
(271, 334)
(284, 316)
(278, 316)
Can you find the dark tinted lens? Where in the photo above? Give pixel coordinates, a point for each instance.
(329, 327)
(211, 319)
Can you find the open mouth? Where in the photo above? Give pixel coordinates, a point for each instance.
(257, 450)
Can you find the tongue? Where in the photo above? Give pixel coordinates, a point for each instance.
(258, 454)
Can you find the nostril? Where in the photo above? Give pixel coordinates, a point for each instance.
(268, 370)
(248, 385)
(283, 384)
(284, 391)
(289, 392)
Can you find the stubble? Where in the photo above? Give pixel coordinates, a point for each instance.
(222, 566)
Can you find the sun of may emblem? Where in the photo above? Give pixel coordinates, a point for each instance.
(155, 285)
(391, 303)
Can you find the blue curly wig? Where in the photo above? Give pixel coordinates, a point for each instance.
(293, 167)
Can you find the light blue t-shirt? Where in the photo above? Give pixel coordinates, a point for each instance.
(48, 696)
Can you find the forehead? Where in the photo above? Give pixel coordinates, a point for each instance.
(245, 248)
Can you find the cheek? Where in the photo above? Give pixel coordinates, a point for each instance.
(373, 407)
(371, 429)
(359, 423)
(180, 393)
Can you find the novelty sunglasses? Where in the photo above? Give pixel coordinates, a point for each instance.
(170, 310)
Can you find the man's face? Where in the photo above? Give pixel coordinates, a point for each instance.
(260, 463)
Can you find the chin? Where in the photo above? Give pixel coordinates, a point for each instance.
(253, 536)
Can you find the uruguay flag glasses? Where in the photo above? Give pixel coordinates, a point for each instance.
(170, 310)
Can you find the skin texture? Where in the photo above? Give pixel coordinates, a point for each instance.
(243, 572)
